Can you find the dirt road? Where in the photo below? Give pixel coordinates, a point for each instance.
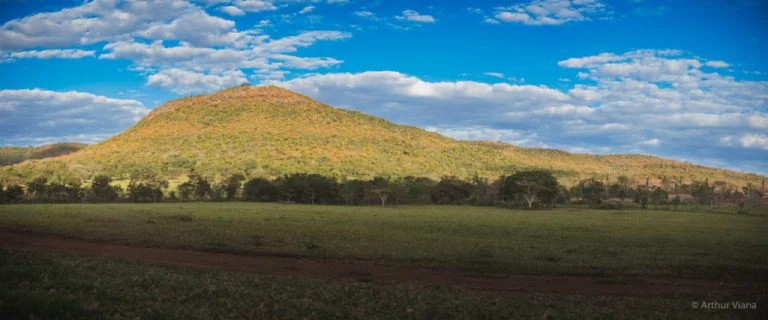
(364, 271)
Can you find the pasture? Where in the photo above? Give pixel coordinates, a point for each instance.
(563, 241)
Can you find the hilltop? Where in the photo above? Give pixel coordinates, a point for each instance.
(269, 131)
(13, 155)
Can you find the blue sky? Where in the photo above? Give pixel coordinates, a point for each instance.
(680, 79)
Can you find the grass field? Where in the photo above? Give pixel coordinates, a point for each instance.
(574, 241)
(44, 286)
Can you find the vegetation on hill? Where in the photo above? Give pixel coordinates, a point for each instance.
(269, 131)
(13, 155)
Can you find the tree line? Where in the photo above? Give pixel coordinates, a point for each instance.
(523, 189)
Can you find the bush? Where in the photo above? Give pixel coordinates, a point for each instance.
(608, 205)
(102, 191)
(259, 189)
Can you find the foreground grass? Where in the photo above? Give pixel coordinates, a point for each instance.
(43, 286)
(487, 239)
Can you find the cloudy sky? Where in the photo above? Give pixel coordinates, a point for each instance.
(681, 79)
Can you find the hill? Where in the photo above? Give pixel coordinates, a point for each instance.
(13, 155)
(269, 131)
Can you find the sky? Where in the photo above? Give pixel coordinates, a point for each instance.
(686, 80)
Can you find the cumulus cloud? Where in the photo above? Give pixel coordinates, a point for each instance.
(717, 64)
(107, 20)
(188, 82)
(551, 12)
(163, 37)
(413, 16)
(34, 116)
(53, 54)
(758, 141)
(232, 11)
(255, 5)
(657, 101)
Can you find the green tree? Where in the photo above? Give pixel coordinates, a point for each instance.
(532, 186)
(102, 191)
(702, 192)
(592, 191)
(259, 189)
(451, 190)
(232, 185)
(38, 189)
(658, 196)
(203, 189)
(11, 194)
(382, 188)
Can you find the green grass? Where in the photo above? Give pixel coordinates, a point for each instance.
(44, 286)
(567, 241)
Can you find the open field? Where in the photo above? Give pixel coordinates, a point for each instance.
(277, 261)
(560, 242)
(74, 286)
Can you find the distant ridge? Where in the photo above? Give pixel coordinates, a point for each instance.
(13, 155)
(270, 131)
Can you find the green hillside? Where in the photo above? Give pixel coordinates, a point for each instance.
(269, 131)
(14, 155)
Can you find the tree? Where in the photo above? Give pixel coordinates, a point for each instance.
(145, 191)
(658, 196)
(259, 189)
(38, 188)
(102, 191)
(308, 188)
(12, 194)
(451, 190)
(531, 186)
(382, 189)
(592, 191)
(355, 191)
(416, 189)
(203, 189)
(186, 190)
(702, 191)
(232, 185)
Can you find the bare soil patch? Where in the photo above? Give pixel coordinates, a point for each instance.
(369, 272)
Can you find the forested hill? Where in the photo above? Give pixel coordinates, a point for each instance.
(13, 155)
(269, 131)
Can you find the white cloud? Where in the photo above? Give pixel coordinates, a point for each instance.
(494, 74)
(644, 98)
(188, 82)
(480, 133)
(552, 12)
(306, 39)
(366, 14)
(53, 54)
(109, 20)
(32, 116)
(651, 142)
(757, 141)
(142, 32)
(232, 11)
(255, 5)
(413, 16)
(306, 63)
(717, 64)
(307, 9)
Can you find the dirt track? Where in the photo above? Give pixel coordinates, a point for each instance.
(360, 271)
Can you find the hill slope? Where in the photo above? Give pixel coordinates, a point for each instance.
(13, 155)
(268, 131)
